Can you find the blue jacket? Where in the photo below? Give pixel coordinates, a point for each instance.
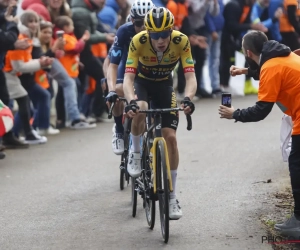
(109, 14)
(215, 23)
(274, 30)
(273, 27)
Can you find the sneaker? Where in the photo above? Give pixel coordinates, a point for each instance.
(2, 155)
(118, 144)
(289, 227)
(134, 164)
(104, 118)
(231, 90)
(175, 211)
(11, 142)
(34, 138)
(202, 93)
(216, 93)
(49, 131)
(91, 119)
(249, 89)
(82, 124)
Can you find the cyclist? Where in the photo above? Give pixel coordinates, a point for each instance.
(152, 56)
(116, 68)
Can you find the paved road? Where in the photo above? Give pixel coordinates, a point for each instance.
(65, 194)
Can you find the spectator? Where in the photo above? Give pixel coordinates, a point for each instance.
(197, 12)
(72, 49)
(289, 26)
(83, 15)
(58, 73)
(20, 62)
(236, 22)
(8, 41)
(179, 9)
(214, 25)
(40, 97)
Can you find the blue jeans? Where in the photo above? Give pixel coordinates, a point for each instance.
(40, 99)
(86, 104)
(70, 91)
(213, 55)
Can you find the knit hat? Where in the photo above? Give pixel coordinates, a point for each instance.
(41, 10)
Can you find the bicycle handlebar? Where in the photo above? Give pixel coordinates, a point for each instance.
(168, 110)
(113, 104)
(153, 111)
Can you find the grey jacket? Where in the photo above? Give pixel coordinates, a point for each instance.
(199, 9)
(85, 18)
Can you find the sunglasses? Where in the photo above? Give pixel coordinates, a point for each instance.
(163, 34)
(138, 23)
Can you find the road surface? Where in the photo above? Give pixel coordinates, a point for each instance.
(65, 194)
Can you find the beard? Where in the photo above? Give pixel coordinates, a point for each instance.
(252, 64)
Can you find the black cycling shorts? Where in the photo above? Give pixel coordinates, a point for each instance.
(162, 95)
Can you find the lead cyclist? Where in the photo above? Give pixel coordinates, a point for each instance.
(116, 68)
(153, 55)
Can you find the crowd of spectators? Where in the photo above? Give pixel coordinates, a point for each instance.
(58, 42)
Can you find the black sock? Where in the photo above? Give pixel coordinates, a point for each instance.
(119, 124)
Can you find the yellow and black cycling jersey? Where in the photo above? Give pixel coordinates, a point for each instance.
(157, 66)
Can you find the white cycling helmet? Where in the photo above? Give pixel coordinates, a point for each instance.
(140, 8)
(128, 19)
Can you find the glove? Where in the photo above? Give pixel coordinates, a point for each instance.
(111, 97)
(132, 106)
(187, 102)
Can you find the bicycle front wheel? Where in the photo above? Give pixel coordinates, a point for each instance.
(133, 196)
(162, 184)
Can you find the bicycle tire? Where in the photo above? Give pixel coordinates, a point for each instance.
(149, 200)
(162, 189)
(124, 176)
(133, 197)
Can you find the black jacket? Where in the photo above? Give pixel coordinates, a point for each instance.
(233, 29)
(260, 110)
(8, 36)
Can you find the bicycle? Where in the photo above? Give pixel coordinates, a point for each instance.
(155, 181)
(124, 176)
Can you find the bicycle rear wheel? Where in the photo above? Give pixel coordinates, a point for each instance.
(162, 184)
(133, 196)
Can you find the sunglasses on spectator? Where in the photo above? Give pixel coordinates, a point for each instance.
(162, 34)
(138, 23)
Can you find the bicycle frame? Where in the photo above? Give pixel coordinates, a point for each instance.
(158, 137)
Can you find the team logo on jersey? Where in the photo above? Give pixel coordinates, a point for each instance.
(176, 39)
(145, 58)
(188, 69)
(189, 60)
(152, 59)
(143, 39)
(129, 61)
(116, 40)
(186, 47)
(167, 60)
(116, 53)
(132, 47)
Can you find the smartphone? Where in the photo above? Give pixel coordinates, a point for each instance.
(226, 99)
(59, 33)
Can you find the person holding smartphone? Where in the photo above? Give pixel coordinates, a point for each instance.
(279, 83)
